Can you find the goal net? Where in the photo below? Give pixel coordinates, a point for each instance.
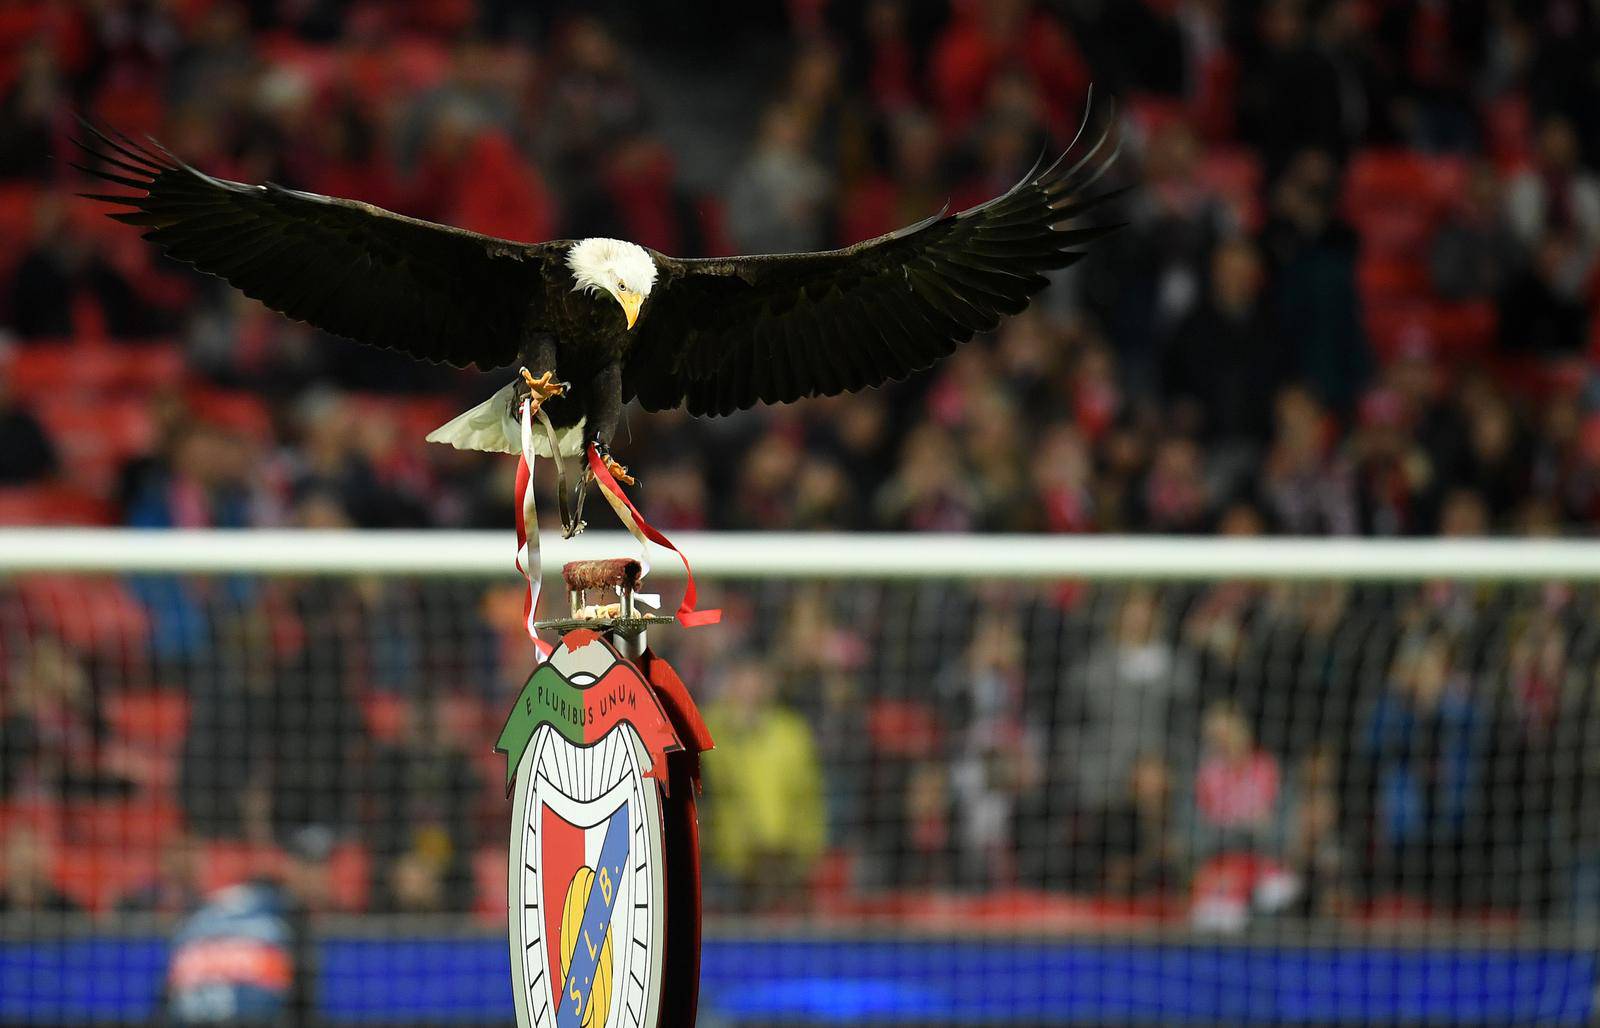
(957, 780)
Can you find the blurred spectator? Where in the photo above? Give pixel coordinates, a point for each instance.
(1175, 497)
(1341, 37)
(1312, 254)
(1314, 850)
(986, 40)
(1557, 196)
(1142, 842)
(1064, 481)
(1227, 359)
(1576, 826)
(1543, 309)
(778, 202)
(1304, 484)
(175, 887)
(499, 193)
(1134, 691)
(910, 189)
(1393, 475)
(767, 483)
(52, 737)
(593, 100)
(1238, 787)
(1424, 741)
(644, 201)
(998, 752)
(1494, 461)
(1463, 514)
(248, 950)
(424, 786)
(765, 785)
(345, 455)
(200, 483)
(1290, 93)
(857, 438)
(1474, 251)
(312, 729)
(930, 491)
(64, 285)
(928, 834)
(26, 453)
(223, 770)
(28, 111)
(25, 883)
(1163, 259)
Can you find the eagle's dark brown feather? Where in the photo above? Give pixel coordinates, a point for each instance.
(724, 334)
(714, 336)
(352, 269)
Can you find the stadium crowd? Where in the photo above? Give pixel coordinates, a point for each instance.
(1354, 296)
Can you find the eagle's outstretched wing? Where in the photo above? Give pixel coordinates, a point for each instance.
(721, 335)
(349, 268)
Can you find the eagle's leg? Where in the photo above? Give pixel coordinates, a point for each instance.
(602, 417)
(540, 354)
(541, 388)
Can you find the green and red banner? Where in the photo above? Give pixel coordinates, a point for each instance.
(584, 714)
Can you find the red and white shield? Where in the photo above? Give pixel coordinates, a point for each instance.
(586, 873)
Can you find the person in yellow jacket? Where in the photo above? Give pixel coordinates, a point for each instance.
(764, 819)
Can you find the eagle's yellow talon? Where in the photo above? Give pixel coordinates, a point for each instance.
(619, 472)
(542, 387)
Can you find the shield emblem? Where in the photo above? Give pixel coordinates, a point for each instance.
(588, 743)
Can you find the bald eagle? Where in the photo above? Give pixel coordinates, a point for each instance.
(598, 322)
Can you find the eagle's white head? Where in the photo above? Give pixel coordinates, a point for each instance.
(625, 270)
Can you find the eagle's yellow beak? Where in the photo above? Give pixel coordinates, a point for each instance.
(631, 302)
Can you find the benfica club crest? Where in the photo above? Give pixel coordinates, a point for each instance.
(604, 870)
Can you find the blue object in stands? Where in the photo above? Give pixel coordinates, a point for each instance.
(829, 981)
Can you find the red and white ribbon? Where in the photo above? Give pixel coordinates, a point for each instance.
(529, 561)
(642, 530)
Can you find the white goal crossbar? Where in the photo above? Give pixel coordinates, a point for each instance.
(781, 555)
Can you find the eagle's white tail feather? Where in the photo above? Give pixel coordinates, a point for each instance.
(490, 427)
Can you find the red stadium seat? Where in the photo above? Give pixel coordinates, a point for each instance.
(1235, 174)
(1466, 328)
(385, 714)
(349, 876)
(227, 862)
(234, 410)
(54, 505)
(94, 614)
(904, 728)
(1395, 232)
(1459, 329)
(108, 847)
(93, 370)
(1151, 113)
(94, 876)
(1508, 125)
(1395, 197)
(1386, 279)
(41, 815)
(94, 438)
(142, 822)
(20, 23)
(18, 201)
(157, 718)
(1403, 178)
